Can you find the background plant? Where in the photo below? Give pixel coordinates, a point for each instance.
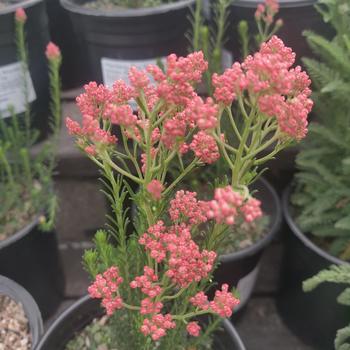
(130, 3)
(26, 188)
(321, 196)
(339, 275)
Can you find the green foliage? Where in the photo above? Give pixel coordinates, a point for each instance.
(210, 39)
(26, 186)
(340, 275)
(322, 193)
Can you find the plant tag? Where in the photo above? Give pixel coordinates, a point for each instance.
(226, 59)
(115, 69)
(12, 89)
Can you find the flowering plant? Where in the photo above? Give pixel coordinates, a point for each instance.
(159, 274)
(26, 180)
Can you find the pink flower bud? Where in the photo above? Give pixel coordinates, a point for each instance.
(52, 51)
(20, 15)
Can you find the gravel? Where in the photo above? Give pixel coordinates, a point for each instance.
(14, 326)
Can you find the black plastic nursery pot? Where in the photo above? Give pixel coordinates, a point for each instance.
(11, 82)
(20, 295)
(31, 258)
(240, 269)
(314, 316)
(297, 16)
(115, 39)
(80, 314)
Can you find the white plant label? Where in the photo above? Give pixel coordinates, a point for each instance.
(114, 69)
(11, 89)
(226, 59)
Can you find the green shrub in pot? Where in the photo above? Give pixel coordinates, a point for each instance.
(26, 180)
(322, 193)
(338, 275)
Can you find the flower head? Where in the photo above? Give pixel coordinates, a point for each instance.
(20, 15)
(155, 188)
(52, 51)
(193, 329)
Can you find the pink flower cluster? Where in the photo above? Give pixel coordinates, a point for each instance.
(205, 147)
(267, 11)
(282, 92)
(157, 325)
(223, 303)
(105, 287)
(155, 188)
(147, 283)
(186, 263)
(185, 207)
(227, 203)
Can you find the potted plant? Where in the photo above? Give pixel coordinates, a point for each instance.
(153, 284)
(316, 205)
(11, 64)
(297, 15)
(340, 275)
(240, 261)
(117, 34)
(29, 255)
(20, 318)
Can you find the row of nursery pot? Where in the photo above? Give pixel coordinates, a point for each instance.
(29, 252)
(101, 39)
(316, 205)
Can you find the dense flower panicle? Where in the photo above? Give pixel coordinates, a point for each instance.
(120, 115)
(224, 207)
(155, 188)
(203, 114)
(153, 241)
(139, 79)
(20, 15)
(105, 287)
(200, 300)
(224, 302)
(205, 147)
(148, 306)
(157, 326)
(186, 69)
(73, 126)
(251, 209)
(185, 206)
(52, 51)
(193, 328)
(282, 92)
(186, 263)
(229, 84)
(93, 101)
(147, 282)
(121, 92)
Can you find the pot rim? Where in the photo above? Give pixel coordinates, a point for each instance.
(19, 234)
(72, 6)
(229, 328)
(282, 3)
(24, 3)
(286, 205)
(20, 295)
(273, 229)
